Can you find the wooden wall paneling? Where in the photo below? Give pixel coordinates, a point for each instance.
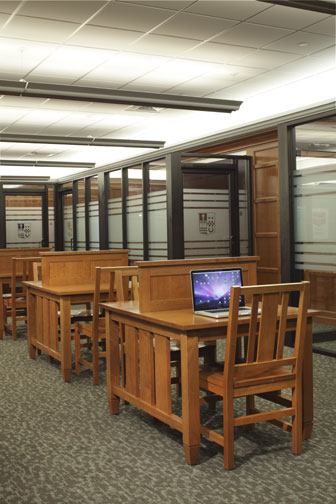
(266, 214)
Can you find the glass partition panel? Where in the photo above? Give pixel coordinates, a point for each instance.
(51, 217)
(23, 221)
(93, 215)
(134, 213)
(314, 209)
(67, 222)
(80, 215)
(114, 209)
(157, 212)
(207, 224)
(244, 202)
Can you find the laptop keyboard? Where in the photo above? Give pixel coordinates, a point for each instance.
(241, 311)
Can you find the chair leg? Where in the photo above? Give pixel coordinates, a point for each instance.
(297, 420)
(249, 407)
(77, 349)
(95, 361)
(228, 431)
(14, 324)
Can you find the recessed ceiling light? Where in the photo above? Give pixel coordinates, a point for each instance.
(303, 44)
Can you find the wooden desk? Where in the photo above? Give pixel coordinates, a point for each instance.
(46, 330)
(147, 350)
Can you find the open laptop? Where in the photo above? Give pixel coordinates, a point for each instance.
(211, 291)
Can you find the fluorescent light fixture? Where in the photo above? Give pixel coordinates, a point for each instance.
(324, 6)
(105, 95)
(47, 164)
(89, 140)
(7, 178)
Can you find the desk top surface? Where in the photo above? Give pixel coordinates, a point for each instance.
(183, 320)
(66, 290)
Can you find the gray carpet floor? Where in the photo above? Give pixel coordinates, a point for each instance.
(59, 444)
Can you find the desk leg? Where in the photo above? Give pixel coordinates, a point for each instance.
(1, 311)
(190, 398)
(307, 383)
(112, 362)
(31, 323)
(66, 349)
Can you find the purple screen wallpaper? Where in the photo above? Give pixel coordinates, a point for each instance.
(212, 289)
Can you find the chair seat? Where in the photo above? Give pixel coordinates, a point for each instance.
(85, 329)
(212, 378)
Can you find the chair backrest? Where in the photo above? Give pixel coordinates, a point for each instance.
(26, 265)
(37, 271)
(267, 329)
(125, 275)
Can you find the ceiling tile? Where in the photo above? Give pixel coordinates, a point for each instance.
(193, 26)
(171, 4)
(3, 19)
(201, 86)
(38, 29)
(267, 59)
(62, 11)
(70, 62)
(163, 45)
(222, 53)
(18, 57)
(239, 10)
(121, 69)
(325, 27)
(328, 55)
(251, 35)
(131, 17)
(287, 17)
(309, 65)
(8, 7)
(22, 102)
(302, 43)
(103, 38)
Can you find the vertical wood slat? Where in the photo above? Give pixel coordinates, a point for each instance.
(146, 367)
(282, 325)
(53, 327)
(39, 319)
(162, 374)
(267, 327)
(45, 323)
(132, 360)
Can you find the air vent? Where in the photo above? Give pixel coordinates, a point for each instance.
(144, 108)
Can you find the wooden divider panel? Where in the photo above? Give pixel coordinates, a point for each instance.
(165, 285)
(7, 254)
(68, 268)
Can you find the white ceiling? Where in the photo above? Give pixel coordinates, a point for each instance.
(273, 58)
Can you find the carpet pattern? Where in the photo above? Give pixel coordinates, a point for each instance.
(60, 445)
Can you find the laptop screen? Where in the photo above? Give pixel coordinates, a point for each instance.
(211, 288)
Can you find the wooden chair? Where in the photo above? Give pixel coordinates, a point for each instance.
(15, 303)
(266, 371)
(93, 332)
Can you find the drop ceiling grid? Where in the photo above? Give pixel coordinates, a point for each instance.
(243, 48)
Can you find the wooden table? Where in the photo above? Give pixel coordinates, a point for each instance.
(49, 320)
(148, 378)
